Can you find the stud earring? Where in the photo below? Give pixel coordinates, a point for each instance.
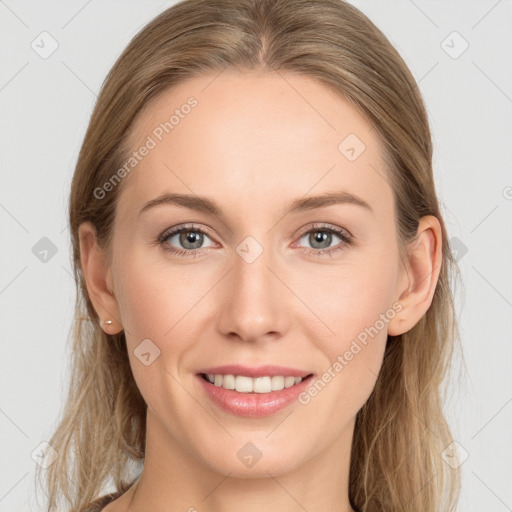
(108, 323)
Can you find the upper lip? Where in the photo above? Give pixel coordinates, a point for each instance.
(255, 371)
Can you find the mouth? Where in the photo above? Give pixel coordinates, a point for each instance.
(252, 392)
(253, 385)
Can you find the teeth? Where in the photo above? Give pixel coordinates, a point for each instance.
(244, 384)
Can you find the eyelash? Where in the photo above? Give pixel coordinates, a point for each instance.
(341, 233)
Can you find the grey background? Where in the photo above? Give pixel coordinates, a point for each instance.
(45, 107)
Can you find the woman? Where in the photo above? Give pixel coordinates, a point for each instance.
(264, 314)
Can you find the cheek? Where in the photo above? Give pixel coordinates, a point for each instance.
(155, 303)
(356, 295)
(356, 307)
(155, 295)
(165, 303)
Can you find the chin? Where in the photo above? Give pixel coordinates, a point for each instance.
(246, 458)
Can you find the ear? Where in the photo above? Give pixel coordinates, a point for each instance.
(98, 279)
(418, 278)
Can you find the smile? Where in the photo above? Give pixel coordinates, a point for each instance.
(244, 384)
(252, 397)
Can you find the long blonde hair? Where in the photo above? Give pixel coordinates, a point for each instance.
(401, 432)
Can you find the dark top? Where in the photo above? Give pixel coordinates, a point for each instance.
(98, 504)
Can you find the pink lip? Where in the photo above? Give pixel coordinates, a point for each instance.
(252, 405)
(251, 371)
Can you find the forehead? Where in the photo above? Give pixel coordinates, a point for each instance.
(254, 136)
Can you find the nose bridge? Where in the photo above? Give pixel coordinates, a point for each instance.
(255, 304)
(251, 268)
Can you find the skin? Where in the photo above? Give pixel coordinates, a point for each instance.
(254, 143)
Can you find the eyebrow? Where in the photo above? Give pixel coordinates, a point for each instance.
(205, 205)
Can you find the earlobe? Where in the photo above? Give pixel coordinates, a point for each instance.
(97, 275)
(418, 280)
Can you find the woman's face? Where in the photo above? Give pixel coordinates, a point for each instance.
(260, 279)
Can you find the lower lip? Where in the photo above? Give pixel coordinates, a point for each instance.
(253, 405)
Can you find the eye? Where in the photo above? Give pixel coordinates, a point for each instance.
(320, 237)
(188, 238)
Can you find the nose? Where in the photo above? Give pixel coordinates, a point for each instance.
(254, 301)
